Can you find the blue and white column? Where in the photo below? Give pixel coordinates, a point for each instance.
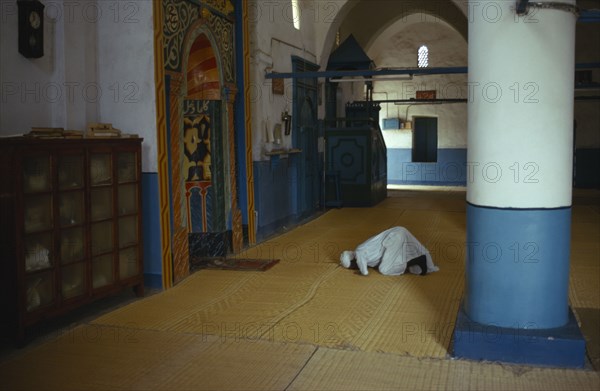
(520, 145)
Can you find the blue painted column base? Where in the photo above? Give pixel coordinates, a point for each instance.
(556, 347)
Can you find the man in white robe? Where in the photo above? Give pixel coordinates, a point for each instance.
(393, 250)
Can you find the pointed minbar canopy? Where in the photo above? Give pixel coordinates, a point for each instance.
(349, 56)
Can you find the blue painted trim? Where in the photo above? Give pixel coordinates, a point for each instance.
(384, 72)
(267, 231)
(151, 227)
(294, 177)
(168, 115)
(375, 72)
(522, 209)
(589, 16)
(302, 199)
(294, 180)
(239, 116)
(427, 183)
(587, 65)
(557, 347)
(153, 281)
(518, 267)
(274, 200)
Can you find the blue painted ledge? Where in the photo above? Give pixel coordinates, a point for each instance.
(557, 347)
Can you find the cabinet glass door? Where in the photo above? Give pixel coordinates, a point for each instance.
(128, 234)
(37, 213)
(36, 173)
(101, 204)
(70, 172)
(102, 271)
(38, 251)
(71, 210)
(127, 209)
(40, 290)
(102, 237)
(102, 227)
(127, 167)
(73, 280)
(127, 199)
(100, 169)
(71, 245)
(128, 249)
(38, 240)
(128, 262)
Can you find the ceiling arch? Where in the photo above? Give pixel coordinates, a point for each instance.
(384, 13)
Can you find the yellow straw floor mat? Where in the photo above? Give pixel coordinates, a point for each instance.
(309, 324)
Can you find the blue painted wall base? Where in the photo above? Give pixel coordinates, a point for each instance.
(151, 232)
(276, 202)
(558, 347)
(153, 281)
(449, 170)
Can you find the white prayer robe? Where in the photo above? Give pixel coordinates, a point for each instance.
(391, 250)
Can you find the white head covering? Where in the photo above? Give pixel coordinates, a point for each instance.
(346, 258)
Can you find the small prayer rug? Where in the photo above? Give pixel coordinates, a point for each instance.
(244, 264)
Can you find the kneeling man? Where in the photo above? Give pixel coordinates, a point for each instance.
(393, 250)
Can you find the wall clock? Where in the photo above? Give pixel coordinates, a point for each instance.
(31, 28)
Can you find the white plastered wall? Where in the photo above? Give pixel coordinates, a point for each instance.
(397, 47)
(273, 42)
(98, 66)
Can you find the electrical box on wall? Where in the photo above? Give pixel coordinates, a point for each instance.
(391, 123)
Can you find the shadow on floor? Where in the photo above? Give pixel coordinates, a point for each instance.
(589, 319)
(48, 330)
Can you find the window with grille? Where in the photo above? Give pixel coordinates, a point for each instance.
(423, 57)
(296, 14)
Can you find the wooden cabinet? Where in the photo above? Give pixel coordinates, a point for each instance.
(71, 225)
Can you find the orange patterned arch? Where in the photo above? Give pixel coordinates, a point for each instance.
(202, 71)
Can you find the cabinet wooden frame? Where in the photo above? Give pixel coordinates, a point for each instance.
(46, 251)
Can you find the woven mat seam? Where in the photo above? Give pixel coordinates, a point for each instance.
(309, 296)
